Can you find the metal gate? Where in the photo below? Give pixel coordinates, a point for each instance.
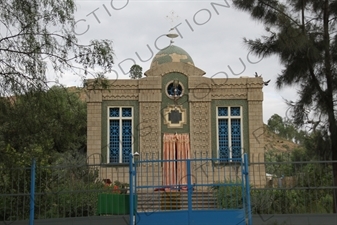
(215, 192)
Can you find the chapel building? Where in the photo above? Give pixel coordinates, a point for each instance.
(175, 111)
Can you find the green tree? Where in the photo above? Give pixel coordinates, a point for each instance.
(67, 186)
(136, 72)
(53, 120)
(285, 128)
(275, 124)
(302, 33)
(318, 145)
(49, 126)
(38, 34)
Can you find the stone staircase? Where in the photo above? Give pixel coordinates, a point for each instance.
(161, 201)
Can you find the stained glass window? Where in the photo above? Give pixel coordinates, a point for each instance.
(229, 130)
(114, 141)
(236, 138)
(174, 90)
(222, 111)
(223, 138)
(126, 112)
(126, 140)
(235, 111)
(114, 112)
(120, 134)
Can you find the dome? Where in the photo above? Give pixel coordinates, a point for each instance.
(171, 53)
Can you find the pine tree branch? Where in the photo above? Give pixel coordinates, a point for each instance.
(279, 11)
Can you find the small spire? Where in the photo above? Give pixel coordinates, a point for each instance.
(172, 17)
(172, 35)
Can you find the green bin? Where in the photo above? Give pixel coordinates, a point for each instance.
(114, 204)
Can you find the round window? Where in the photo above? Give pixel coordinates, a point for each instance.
(174, 89)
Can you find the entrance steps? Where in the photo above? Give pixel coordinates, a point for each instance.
(160, 200)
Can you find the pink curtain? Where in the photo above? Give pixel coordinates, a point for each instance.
(176, 146)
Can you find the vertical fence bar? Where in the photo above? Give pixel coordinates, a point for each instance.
(131, 171)
(249, 208)
(134, 197)
(189, 189)
(243, 185)
(32, 193)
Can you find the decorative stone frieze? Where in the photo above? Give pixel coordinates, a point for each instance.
(149, 127)
(120, 94)
(200, 126)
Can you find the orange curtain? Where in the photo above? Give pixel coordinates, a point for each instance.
(183, 152)
(169, 153)
(175, 147)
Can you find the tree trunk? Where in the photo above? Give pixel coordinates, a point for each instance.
(334, 171)
(330, 99)
(333, 135)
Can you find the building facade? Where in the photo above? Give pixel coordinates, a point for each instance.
(175, 103)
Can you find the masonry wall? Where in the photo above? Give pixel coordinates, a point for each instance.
(94, 122)
(150, 116)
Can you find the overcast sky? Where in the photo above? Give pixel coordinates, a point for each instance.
(210, 31)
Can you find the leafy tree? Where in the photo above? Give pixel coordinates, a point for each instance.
(53, 120)
(285, 128)
(136, 72)
(67, 186)
(275, 124)
(318, 145)
(49, 126)
(36, 35)
(298, 185)
(302, 33)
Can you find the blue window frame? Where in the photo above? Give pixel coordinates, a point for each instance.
(120, 134)
(229, 133)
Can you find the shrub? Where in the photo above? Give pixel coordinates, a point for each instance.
(228, 194)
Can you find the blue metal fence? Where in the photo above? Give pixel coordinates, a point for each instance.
(219, 197)
(73, 189)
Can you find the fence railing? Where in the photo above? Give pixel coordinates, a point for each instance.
(294, 187)
(72, 190)
(60, 191)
